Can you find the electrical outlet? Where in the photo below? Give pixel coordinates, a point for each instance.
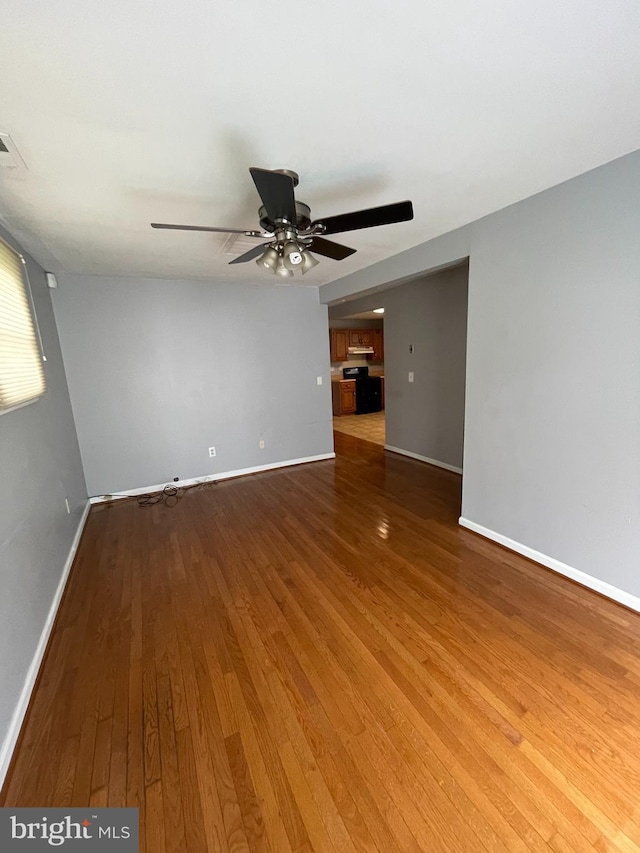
(319, 380)
(212, 451)
(262, 444)
(411, 376)
(66, 503)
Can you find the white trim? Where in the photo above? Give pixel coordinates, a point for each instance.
(604, 588)
(11, 737)
(209, 478)
(427, 459)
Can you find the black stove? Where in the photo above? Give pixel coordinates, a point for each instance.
(368, 389)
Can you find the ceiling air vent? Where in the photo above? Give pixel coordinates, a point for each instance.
(9, 155)
(238, 244)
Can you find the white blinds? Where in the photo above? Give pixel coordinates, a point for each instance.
(21, 373)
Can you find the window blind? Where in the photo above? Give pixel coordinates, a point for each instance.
(21, 374)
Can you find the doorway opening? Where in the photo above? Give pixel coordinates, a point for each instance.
(357, 375)
(423, 367)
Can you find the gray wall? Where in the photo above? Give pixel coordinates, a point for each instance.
(161, 370)
(552, 427)
(426, 416)
(40, 465)
(441, 252)
(552, 451)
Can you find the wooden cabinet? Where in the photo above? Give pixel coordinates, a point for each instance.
(343, 395)
(347, 397)
(342, 339)
(378, 345)
(361, 337)
(339, 344)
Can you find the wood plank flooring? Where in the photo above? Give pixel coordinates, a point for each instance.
(319, 659)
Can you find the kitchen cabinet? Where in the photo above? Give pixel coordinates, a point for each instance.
(342, 339)
(347, 397)
(378, 345)
(361, 337)
(339, 344)
(343, 393)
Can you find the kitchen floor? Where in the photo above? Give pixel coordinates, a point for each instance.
(367, 427)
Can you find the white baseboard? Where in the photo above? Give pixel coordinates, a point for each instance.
(417, 456)
(11, 738)
(604, 588)
(209, 478)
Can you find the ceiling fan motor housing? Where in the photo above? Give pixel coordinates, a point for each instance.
(302, 223)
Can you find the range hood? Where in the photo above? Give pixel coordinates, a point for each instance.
(361, 350)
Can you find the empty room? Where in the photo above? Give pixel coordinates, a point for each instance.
(319, 427)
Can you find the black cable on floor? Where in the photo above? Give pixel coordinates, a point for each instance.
(169, 496)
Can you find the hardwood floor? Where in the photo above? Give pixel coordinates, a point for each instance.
(319, 659)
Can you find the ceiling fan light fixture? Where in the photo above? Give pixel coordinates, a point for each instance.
(268, 260)
(308, 262)
(292, 255)
(282, 270)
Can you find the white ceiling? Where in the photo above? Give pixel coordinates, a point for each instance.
(148, 110)
(366, 315)
(362, 315)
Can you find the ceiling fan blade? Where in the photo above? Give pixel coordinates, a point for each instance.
(276, 191)
(330, 249)
(250, 255)
(206, 228)
(401, 211)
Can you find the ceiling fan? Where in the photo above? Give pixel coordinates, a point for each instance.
(292, 233)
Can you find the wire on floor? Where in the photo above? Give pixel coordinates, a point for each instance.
(169, 496)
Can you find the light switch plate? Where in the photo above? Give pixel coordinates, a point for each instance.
(411, 376)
